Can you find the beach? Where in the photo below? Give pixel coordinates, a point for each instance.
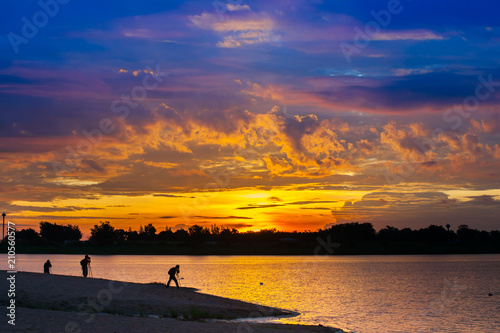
(59, 303)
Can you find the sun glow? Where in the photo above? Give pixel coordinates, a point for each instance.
(282, 208)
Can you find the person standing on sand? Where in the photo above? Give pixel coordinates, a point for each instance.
(173, 272)
(46, 267)
(85, 262)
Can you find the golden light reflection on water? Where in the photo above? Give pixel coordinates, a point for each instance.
(359, 293)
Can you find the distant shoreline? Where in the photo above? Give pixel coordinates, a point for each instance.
(340, 239)
(160, 248)
(264, 255)
(70, 303)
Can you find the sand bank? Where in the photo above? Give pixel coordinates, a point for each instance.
(58, 303)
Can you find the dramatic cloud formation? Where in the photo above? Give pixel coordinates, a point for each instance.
(293, 115)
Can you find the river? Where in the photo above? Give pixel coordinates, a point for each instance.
(438, 293)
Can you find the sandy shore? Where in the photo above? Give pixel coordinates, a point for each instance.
(57, 303)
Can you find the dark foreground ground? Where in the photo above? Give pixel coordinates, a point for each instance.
(57, 303)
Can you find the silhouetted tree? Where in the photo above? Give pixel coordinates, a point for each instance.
(215, 229)
(103, 234)
(181, 235)
(406, 235)
(484, 236)
(354, 237)
(198, 234)
(149, 232)
(268, 234)
(495, 237)
(352, 232)
(434, 233)
(132, 236)
(121, 235)
(263, 235)
(27, 234)
(167, 235)
(59, 233)
(388, 234)
(228, 236)
(465, 234)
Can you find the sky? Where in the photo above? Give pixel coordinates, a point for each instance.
(294, 115)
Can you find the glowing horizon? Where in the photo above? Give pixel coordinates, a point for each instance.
(264, 115)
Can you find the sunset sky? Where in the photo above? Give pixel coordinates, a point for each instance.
(293, 115)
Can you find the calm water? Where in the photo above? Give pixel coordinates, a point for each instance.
(356, 293)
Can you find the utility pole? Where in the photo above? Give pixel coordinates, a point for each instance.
(3, 226)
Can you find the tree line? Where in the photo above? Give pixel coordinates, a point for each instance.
(104, 234)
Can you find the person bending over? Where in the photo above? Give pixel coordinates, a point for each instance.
(172, 272)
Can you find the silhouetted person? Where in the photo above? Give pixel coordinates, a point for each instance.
(85, 262)
(46, 267)
(173, 272)
(448, 226)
